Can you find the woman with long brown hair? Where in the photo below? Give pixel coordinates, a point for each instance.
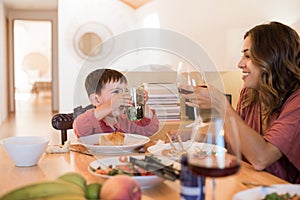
(268, 111)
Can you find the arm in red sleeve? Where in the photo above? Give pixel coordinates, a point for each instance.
(86, 124)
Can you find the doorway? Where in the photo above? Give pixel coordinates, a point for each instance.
(32, 58)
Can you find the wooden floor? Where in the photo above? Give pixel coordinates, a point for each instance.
(33, 117)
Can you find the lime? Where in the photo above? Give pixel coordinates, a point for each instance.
(92, 191)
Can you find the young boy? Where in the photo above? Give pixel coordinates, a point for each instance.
(105, 88)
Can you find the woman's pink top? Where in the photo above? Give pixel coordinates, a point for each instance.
(283, 132)
(87, 124)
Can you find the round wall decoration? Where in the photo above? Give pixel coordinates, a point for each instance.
(88, 40)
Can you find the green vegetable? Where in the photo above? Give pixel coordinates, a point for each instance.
(113, 172)
(276, 196)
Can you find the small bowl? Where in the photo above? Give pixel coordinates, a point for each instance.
(25, 151)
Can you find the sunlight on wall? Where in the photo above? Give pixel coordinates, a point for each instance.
(151, 21)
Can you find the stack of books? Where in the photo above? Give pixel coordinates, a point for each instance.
(164, 98)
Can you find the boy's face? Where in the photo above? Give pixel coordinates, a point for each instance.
(112, 88)
(108, 91)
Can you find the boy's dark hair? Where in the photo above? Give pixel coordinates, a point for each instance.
(96, 79)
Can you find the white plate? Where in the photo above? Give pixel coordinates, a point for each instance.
(131, 142)
(259, 193)
(158, 148)
(144, 181)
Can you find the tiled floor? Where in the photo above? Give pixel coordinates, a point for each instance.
(33, 117)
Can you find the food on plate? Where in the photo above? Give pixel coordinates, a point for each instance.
(171, 152)
(116, 139)
(121, 187)
(176, 150)
(285, 196)
(125, 168)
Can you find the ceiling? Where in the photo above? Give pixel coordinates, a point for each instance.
(31, 4)
(52, 4)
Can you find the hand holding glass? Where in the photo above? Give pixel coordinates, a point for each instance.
(187, 78)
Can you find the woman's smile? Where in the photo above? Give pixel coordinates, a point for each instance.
(245, 75)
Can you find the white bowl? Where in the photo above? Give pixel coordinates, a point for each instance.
(25, 151)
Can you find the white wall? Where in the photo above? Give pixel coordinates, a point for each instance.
(216, 25)
(3, 60)
(72, 15)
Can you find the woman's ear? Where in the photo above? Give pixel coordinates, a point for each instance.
(95, 99)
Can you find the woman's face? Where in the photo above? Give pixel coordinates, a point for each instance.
(251, 73)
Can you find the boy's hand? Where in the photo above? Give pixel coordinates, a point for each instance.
(146, 96)
(118, 102)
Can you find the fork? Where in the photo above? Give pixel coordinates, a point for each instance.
(171, 142)
(183, 151)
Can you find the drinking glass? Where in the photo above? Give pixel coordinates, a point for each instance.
(211, 155)
(136, 111)
(187, 78)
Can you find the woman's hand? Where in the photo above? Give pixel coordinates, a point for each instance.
(200, 97)
(207, 97)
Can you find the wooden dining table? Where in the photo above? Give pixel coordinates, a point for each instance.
(50, 166)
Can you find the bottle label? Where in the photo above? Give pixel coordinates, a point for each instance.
(191, 193)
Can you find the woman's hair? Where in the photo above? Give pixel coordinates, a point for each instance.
(275, 49)
(95, 81)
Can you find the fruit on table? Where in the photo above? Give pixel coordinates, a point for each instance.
(92, 191)
(72, 186)
(74, 178)
(62, 197)
(45, 190)
(120, 187)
